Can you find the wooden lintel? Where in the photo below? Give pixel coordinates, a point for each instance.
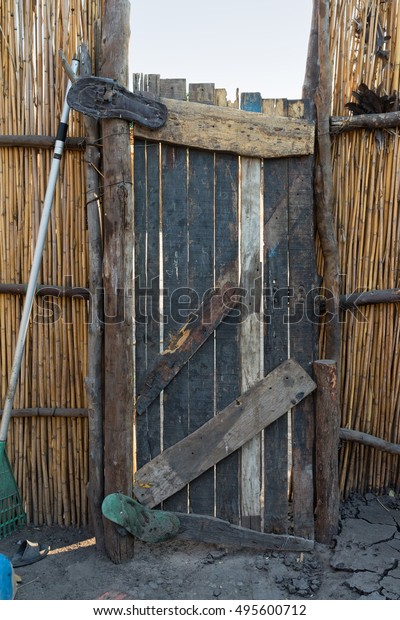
(235, 131)
(348, 434)
(182, 346)
(339, 124)
(244, 418)
(201, 528)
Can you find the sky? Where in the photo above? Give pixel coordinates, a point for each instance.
(253, 45)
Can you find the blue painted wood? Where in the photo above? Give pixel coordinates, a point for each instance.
(251, 102)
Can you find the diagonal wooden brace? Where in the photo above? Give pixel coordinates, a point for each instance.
(183, 345)
(248, 415)
(202, 528)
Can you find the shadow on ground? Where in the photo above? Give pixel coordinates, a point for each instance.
(364, 563)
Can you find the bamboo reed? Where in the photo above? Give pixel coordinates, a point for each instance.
(366, 181)
(55, 358)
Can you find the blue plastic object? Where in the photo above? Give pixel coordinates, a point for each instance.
(6, 579)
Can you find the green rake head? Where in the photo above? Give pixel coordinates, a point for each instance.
(12, 514)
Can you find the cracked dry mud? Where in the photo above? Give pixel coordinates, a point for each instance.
(363, 564)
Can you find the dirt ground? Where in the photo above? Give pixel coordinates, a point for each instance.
(364, 563)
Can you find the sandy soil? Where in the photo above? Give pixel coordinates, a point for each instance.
(364, 563)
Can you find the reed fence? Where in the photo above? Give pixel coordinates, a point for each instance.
(49, 453)
(365, 48)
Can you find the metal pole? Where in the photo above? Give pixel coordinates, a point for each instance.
(37, 259)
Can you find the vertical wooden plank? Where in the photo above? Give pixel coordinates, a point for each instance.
(220, 97)
(153, 283)
(94, 379)
(303, 335)
(137, 81)
(250, 335)
(226, 337)
(118, 281)
(327, 425)
(147, 280)
(275, 332)
(275, 107)
(175, 284)
(268, 107)
(251, 102)
(173, 88)
(153, 83)
(143, 450)
(201, 278)
(147, 82)
(202, 93)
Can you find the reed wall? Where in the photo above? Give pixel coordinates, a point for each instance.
(49, 453)
(365, 48)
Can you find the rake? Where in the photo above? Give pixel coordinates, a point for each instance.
(12, 513)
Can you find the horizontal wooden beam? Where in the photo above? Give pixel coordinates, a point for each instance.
(367, 298)
(201, 528)
(54, 412)
(369, 440)
(46, 290)
(338, 124)
(242, 420)
(226, 129)
(41, 142)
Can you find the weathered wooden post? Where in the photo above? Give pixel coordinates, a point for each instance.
(327, 422)
(117, 279)
(324, 191)
(318, 87)
(94, 377)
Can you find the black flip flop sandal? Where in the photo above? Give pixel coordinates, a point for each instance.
(105, 98)
(28, 553)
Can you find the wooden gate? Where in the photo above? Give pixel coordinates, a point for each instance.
(224, 279)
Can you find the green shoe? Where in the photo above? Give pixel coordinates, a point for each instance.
(149, 525)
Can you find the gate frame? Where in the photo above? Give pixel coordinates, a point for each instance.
(302, 268)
